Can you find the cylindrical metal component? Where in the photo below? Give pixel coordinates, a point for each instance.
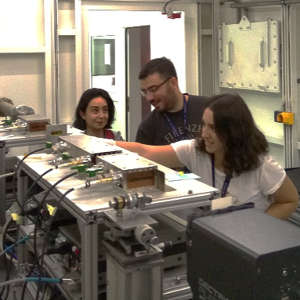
(145, 234)
(132, 200)
(118, 202)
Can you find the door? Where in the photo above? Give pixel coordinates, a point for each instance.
(137, 54)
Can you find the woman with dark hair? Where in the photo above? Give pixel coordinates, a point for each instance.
(95, 114)
(231, 154)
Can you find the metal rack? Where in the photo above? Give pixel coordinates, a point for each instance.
(89, 207)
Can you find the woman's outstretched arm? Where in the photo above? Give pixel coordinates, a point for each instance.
(164, 155)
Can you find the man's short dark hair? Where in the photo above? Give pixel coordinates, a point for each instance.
(162, 66)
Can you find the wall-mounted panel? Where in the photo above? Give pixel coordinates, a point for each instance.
(249, 56)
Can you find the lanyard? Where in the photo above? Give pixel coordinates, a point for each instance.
(226, 180)
(172, 125)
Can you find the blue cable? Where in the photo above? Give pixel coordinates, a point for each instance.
(22, 240)
(44, 279)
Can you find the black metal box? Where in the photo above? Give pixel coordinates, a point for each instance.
(244, 255)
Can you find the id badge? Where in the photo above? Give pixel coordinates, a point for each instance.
(220, 203)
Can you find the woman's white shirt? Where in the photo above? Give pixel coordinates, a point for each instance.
(255, 186)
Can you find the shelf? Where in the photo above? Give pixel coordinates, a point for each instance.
(21, 50)
(66, 32)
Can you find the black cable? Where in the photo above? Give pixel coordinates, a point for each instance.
(41, 274)
(64, 195)
(6, 228)
(36, 181)
(38, 283)
(14, 180)
(55, 184)
(10, 268)
(44, 199)
(4, 287)
(25, 156)
(49, 227)
(25, 283)
(26, 200)
(23, 290)
(36, 259)
(38, 263)
(44, 244)
(41, 204)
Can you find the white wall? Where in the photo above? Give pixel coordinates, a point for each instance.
(163, 43)
(21, 23)
(22, 79)
(163, 40)
(22, 52)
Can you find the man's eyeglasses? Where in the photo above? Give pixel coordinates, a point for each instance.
(154, 88)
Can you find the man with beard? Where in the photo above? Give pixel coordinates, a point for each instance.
(176, 116)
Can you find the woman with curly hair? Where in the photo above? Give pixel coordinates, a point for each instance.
(231, 154)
